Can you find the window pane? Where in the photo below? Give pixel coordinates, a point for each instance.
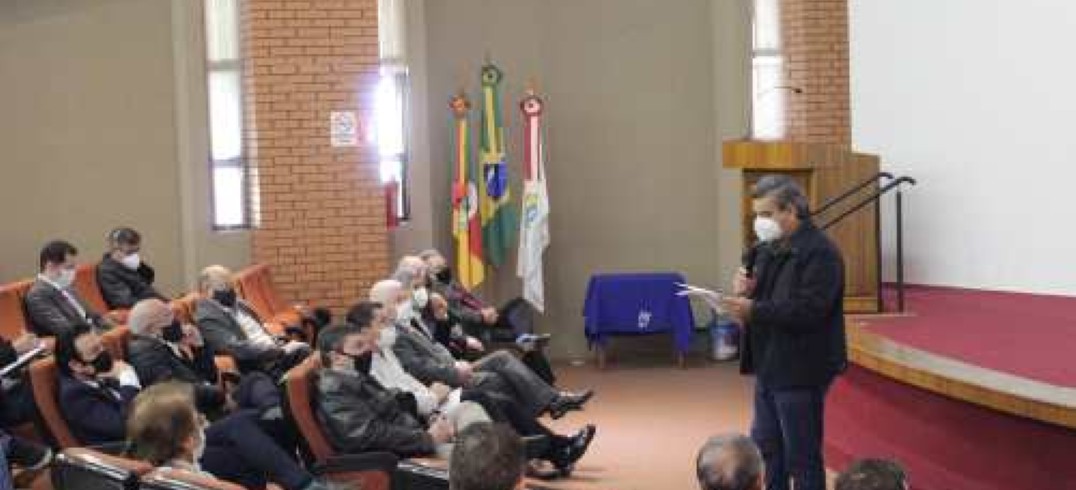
(767, 25)
(222, 30)
(391, 33)
(228, 185)
(225, 114)
(768, 96)
(390, 122)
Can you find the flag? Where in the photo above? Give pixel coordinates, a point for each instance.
(466, 225)
(534, 210)
(498, 216)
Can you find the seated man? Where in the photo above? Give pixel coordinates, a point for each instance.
(95, 390)
(122, 276)
(96, 395)
(498, 372)
(475, 317)
(487, 457)
(729, 462)
(52, 304)
(162, 349)
(873, 474)
(165, 430)
(561, 451)
(230, 326)
(17, 407)
(360, 415)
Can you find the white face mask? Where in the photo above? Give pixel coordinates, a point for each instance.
(387, 338)
(421, 297)
(131, 261)
(767, 229)
(67, 277)
(404, 312)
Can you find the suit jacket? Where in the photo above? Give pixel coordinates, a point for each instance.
(223, 334)
(154, 361)
(50, 313)
(359, 415)
(463, 305)
(795, 336)
(94, 414)
(123, 287)
(424, 358)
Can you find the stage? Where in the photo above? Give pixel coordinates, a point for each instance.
(969, 389)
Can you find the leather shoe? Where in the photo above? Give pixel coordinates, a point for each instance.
(580, 443)
(567, 402)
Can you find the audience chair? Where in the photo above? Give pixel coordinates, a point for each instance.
(255, 285)
(87, 469)
(115, 341)
(13, 320)
(90, 292)
(45, 383)
(174, 479)
(373, 471)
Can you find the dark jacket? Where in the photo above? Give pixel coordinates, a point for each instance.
(50, 313)
(123, 287)
(360, 415)
(424, 358)
(464, 306)
(795, 337)
(94, 414)
(154, 361)
(223, 334)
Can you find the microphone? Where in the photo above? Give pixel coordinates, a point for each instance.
(749, 257)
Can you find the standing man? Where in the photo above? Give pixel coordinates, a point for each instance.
(789, 300)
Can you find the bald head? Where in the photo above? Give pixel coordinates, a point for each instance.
(149, 316)
(413, 264)
(213, 278)
(729, 462)
(388, 292)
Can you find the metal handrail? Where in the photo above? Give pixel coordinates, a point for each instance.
(850, 192)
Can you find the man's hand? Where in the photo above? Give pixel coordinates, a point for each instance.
(440, 390)
(294, 346)
(475, 344)
(737, 307)
(741, 284)
(439, 306)
(441, 430)
(25, 343)
(192, 337)
(489, 315)
(465, 371)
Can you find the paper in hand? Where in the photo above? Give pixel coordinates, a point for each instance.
(711, 297)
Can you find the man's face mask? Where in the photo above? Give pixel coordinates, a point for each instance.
(361, 362)
(421, 298)
(101, 364)
(444, 276)
(225, 297)
(172, 333)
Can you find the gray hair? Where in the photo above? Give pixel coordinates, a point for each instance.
(404, 276)
(147, 314)
(785, 190)
(385, 291)
(728, 462)
(428, 254)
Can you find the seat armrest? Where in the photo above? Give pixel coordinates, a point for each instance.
(373, 461)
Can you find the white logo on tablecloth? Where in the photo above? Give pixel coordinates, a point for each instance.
(644, 319)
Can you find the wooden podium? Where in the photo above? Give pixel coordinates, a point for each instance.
(825, 171)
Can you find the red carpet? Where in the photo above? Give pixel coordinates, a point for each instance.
(1032, 336)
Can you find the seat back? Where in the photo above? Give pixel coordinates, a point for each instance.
(45, 383)
(174, 479)
(184, 307)
(248, 285)
(13, 321)
(87, 469)
(87, 288)
(115, 341)
(299, 407)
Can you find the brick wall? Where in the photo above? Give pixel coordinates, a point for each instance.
(815, 38)
(321, 211)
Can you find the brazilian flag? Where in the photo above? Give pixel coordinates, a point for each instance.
(499, 221)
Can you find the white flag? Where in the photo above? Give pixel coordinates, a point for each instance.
(534, 222)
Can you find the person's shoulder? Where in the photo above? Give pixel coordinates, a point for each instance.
(204, 307)
(106, 265)
(39, 288)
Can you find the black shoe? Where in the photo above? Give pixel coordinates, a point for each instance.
(580, 443)
(567, 402)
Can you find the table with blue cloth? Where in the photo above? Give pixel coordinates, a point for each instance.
(637, 304)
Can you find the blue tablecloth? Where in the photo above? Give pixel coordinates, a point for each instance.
(637, 304)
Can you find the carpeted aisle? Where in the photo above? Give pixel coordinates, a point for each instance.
(652, 417)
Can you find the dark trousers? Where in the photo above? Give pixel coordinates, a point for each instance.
(503, 409)
(788, 430)
(239, 451)
(501, 372)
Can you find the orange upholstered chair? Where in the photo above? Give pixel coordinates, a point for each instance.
(115, 341)
(255, 285)
(13, 321)
(90, 292)
(373, 471)
(87, 469)
(45, 383)
(174, 479)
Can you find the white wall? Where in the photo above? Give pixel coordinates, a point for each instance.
(975, 98)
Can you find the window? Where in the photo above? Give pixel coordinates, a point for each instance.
(767, 72)
(229, 171)
(391, 105)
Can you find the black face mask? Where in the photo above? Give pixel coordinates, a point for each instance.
(102, 363)
(173, 332)
(225, 297)
(444, 276)
(362, 362)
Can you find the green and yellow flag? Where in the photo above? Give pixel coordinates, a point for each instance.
(466, 225)
(499, 221)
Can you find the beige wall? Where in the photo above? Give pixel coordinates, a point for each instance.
(97, 129)
(640, 94)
